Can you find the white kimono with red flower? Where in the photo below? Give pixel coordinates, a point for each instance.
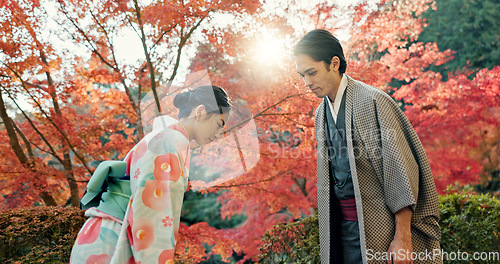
(158, 167)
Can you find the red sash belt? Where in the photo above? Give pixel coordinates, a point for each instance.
(348, 208)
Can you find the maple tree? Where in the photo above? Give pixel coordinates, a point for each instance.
(450, 116)
(27, 58)
(88, 108)
(282, 186)
(78, 110)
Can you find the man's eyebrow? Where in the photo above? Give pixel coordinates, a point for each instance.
(306, 71)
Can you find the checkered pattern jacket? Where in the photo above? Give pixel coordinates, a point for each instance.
(389, 170)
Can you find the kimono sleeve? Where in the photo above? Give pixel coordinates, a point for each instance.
(155, 208)
(399, 167)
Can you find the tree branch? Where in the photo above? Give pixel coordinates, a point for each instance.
(52, 150)
(50, 120)
(23, 137)
(148, 57)
(89, 41)
(263, 111)
(162, 35)
(179, 50)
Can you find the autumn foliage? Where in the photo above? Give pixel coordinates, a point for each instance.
(469, 223)
(70, 98)
(39, 235)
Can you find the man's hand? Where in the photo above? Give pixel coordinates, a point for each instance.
(400, 250)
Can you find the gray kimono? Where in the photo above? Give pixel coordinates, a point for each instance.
(389, 170)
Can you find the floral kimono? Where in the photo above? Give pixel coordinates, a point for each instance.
(145, 231)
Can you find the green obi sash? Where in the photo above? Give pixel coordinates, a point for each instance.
(107, 190)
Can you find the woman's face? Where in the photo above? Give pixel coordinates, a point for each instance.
(208, 127)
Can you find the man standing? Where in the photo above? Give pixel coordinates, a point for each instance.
(377, 202)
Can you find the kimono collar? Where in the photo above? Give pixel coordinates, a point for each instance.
(163, 122)
(338, 98)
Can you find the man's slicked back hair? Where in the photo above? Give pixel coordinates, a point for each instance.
(321, 45)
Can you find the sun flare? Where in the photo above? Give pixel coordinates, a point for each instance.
(270, 49)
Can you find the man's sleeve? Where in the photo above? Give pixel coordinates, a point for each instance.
(399, 167)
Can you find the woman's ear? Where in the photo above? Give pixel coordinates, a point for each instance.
(199, 112)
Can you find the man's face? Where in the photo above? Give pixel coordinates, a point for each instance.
(320, 78)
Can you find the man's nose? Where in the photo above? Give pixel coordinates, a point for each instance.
(308, 82)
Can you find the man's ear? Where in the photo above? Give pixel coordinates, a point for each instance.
(335, 64)
(199, 111)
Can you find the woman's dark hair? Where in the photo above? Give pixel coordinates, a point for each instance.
(214, 99)
(321, 45)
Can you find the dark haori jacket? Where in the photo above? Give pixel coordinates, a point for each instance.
(389, 170)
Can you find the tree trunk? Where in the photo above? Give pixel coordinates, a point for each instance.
(73, 186)
(14, 141)
(68, 167)
(16, 146)
(48, 199)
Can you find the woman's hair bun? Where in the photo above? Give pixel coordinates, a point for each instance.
(181, 99)
(214, 99)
